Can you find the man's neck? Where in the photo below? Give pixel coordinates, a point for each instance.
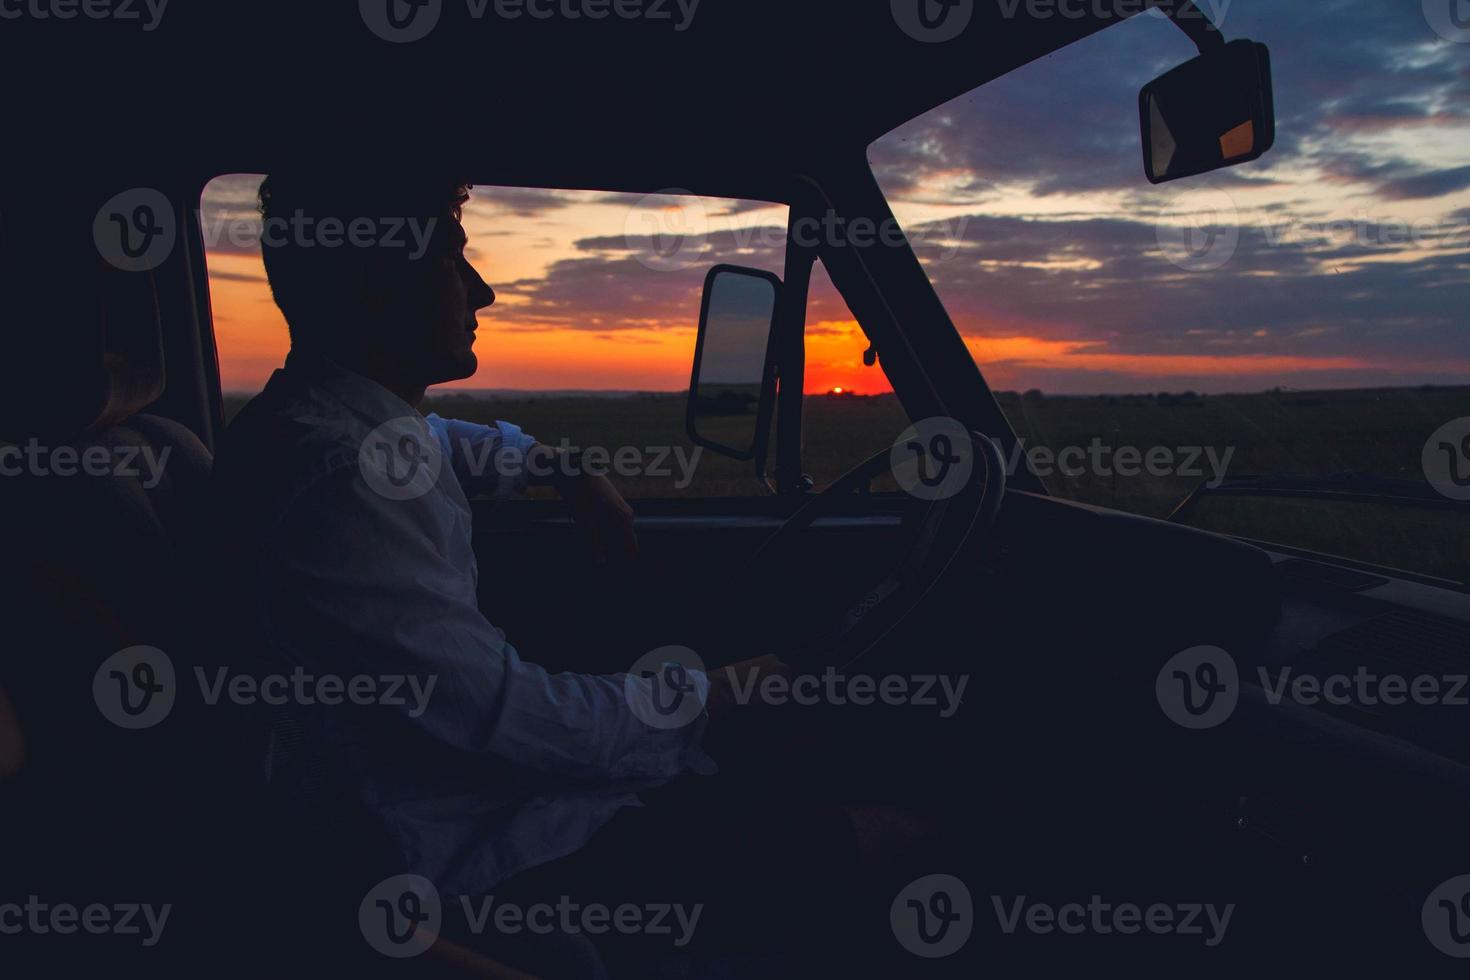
(377, 368)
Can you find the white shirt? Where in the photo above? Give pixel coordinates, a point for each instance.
(342, 573)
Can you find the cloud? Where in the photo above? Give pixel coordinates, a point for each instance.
(612, 285)
(1288, 290)
(521, 202)
(1435, 183)
(1068, 123)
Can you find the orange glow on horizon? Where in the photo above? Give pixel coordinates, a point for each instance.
(253, 341)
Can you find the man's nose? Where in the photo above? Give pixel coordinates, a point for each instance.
(480, 293)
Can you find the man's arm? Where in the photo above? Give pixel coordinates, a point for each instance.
(502, 460)
(488, 459)
(354, 583)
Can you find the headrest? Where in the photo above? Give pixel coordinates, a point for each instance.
(84, 337)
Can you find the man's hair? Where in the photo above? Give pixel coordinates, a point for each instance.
(319, 254)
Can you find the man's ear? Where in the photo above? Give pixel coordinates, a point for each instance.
(373, 285)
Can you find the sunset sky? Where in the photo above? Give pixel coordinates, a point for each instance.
(1027, 201)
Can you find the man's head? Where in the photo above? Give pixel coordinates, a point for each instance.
(371, 272)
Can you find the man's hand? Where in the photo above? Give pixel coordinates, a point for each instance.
(735, 726)
(744, 676)
(600, 511)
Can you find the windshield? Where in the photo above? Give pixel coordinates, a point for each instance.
(1301, 318)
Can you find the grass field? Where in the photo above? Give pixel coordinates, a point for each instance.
(1380, 432)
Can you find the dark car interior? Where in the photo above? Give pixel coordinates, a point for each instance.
(1326, 827)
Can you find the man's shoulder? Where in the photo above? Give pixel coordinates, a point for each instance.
(280, 445)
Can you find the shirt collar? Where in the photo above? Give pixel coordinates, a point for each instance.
(359, 393)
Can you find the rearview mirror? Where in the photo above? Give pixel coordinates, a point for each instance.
(732, 391)
(1215, 111)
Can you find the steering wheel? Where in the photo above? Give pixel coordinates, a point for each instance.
(958, 475)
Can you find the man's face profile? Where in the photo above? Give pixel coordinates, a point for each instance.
(427, 313)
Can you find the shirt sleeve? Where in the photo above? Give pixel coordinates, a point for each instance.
(354, 583)
(488, 459)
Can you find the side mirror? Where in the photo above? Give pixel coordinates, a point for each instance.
(733, 389)
(1215, 111)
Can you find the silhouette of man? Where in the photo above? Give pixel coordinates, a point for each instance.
(348, 535)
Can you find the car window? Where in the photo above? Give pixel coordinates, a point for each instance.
(1296, 321)
(591, 339)
(850, 411)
